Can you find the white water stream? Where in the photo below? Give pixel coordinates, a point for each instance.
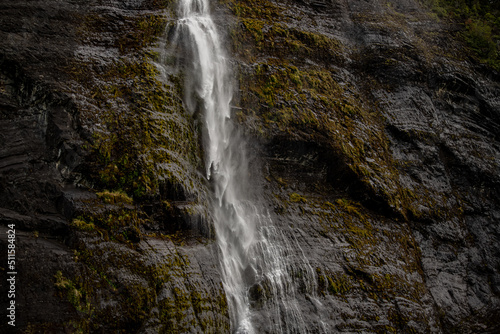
(248, 241)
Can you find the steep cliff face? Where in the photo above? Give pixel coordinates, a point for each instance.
(375, 137)
(99, 174)
(380, 138)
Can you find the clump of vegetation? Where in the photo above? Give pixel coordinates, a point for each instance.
(348, 206)
(82, 225)
(122, 225)
(74, 293)
(115, 197)
(296, 198)
(480, 20)
(479, 35)
(339, 284)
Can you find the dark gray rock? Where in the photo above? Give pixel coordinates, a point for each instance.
(432, 175)
(376, 154)
(80, 268)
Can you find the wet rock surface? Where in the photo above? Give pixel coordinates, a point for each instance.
(379, 162)
(89, 258)
(388, 181)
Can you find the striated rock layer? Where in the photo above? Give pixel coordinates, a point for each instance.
(99, 173)
(381, 160)
(376, 152)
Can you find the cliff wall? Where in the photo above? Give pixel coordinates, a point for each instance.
(374, 134)
(379, 133)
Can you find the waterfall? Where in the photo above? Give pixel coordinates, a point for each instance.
(209, 91)
(250, 251)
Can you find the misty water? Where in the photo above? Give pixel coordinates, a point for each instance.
(254, 254)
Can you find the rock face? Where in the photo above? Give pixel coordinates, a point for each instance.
(75, 90)
(380, 144)
(376, 152)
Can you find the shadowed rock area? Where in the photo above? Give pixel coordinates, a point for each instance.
(374, 132)
(108, 237)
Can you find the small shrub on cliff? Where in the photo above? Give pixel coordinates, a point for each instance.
(481, 24)
(115, 197)
(480, 37)
(82, 225)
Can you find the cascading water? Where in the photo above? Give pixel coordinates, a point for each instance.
(249, 245)
(209, 82)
